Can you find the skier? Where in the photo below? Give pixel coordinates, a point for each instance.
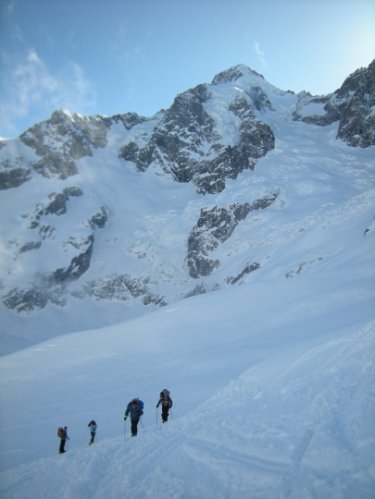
(135, 409)
(62, 433)
(166, 404)
(92, 425)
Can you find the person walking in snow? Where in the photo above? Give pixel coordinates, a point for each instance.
(62, 433)
(135, 409)
(92, 425)
(166, 404)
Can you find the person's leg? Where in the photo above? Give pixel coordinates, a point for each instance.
(164, 414)
(134, 426)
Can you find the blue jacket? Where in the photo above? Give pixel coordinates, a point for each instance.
(135, 410)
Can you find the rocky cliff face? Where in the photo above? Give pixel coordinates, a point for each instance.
(189, 145)
(131, 210)
(56, 145)
(351, 105)
(215, 226)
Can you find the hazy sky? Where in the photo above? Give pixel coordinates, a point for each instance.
(116, 56)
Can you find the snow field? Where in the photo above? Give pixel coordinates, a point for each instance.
(272, 388)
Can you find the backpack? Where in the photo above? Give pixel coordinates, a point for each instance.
(164, 394)
(60, 432)
(165, 398)
(140, 405)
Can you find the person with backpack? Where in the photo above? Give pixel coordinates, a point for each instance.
(62, 433)
(135, 409)
(92, 425)
(166, 404)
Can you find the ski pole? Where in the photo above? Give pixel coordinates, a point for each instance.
(140, 419)
(124, 429)
(156, 415)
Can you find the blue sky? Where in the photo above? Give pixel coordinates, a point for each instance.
(116, 56)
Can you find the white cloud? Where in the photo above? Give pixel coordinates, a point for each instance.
(30, 87)
(33, 57)
(260, 54)
(10, 6)
(122, 46)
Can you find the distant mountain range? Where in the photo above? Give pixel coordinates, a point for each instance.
(107, 218)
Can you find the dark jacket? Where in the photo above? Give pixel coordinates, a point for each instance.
(92, 425)
(165, 401)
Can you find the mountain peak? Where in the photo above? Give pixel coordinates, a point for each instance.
(234, 73)
(60, 115)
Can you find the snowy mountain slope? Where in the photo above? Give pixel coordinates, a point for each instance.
(272, 382)
(270, 364)
(90, 238)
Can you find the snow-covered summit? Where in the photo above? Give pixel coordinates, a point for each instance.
(236, 73)
(249, 80)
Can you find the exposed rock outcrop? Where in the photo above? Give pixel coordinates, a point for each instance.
(63, 139)
(215, 226)
(13, 173)
(353, 105)
(250, 267)
(189, 145)
(123, 288)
